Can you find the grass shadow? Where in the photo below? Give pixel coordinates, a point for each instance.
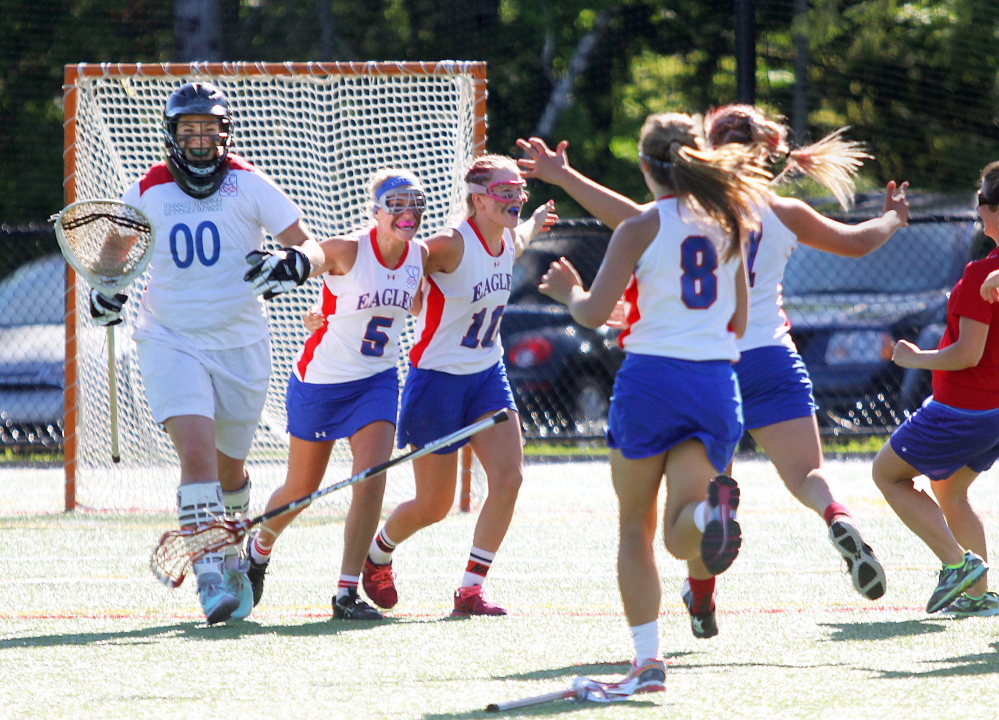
(962, 666)
(198, 631)
(556, 707)
(886, 630)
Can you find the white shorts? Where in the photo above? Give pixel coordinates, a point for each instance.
(228, 386)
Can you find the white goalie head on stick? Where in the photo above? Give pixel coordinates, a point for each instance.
(107, 242)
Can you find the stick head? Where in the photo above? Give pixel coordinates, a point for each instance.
(177, 550)
(108, 242)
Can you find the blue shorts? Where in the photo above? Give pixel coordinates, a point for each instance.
(436, 404)
(938, 440)
(775, 386)
(320, 412)
(659, 402)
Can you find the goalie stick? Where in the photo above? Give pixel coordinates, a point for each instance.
(109, 244)
(178, 549)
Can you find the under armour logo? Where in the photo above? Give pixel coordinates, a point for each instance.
(390, 276)
(321, 434)
(495, 264)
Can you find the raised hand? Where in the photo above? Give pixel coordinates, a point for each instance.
(276, 272)
(542, 163)
(895, 200)
(106, 311)
(559, 281)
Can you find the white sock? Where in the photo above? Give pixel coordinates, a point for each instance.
(701, 513)
(646, 639)
(236, 502)
(479, 562)
(345, 583)
(381, 548)
(260, 553)
(199, 504)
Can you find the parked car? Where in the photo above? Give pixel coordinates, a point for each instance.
(32, 352)
(561, 373)
(847, 314)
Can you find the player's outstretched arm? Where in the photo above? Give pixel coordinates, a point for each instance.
(594, 307)
(541, 221)
(552, 166)
(965, 352)
(822, 233)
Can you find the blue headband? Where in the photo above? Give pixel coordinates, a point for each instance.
(391, 184)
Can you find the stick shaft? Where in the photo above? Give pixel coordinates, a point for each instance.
(536, 700)
(113, 396)
(382, 467)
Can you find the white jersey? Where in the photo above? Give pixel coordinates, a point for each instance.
(681, 297)
(196, 285)
(769, 249)
(458, 328)
(365, 311)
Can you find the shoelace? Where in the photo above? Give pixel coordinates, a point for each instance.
(382, 577)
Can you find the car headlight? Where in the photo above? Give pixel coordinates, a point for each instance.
(859, 347)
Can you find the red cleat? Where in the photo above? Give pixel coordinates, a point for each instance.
(379, 584)
(471, 601)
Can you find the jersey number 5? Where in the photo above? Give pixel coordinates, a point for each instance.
(375, 340)
(698, 284)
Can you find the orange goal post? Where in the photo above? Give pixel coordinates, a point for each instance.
(319, 130)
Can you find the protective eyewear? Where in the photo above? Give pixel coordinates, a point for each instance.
(398, 201)
(982, 200)
(507, 191)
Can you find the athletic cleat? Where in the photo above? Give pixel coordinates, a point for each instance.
(379, 584)
(702, 618)
(470, 601)
(954, 581)
(255, 575)
(722, 535)
(966, 606)
(351, 607)
(649, 677)
(238, 585)
(217, 604)
(865, 569)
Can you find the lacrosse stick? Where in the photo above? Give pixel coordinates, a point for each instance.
(109, 244)
(177, 550)
(570, 694)
(583, 690)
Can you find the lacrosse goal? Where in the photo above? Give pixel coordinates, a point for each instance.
(319, 130)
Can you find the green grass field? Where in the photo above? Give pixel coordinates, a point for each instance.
(85, 631)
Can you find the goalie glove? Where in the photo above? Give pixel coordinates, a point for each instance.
(106, 311)
(276, 272)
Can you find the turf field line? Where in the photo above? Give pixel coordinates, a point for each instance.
(316, 613)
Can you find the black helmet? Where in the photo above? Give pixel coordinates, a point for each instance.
(198, 178)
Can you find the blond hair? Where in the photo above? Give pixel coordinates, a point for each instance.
(833, 161)
(481, 171)
(720, 184)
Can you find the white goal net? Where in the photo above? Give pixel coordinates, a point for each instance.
(319, 130)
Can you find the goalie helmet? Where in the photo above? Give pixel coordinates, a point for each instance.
(197, 178)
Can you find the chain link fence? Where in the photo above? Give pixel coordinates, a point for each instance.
(845, 314)
(32, 337)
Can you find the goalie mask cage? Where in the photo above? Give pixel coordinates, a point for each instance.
(319, 130)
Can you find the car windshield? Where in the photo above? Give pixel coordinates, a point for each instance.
(918, 257)
(33, 294)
